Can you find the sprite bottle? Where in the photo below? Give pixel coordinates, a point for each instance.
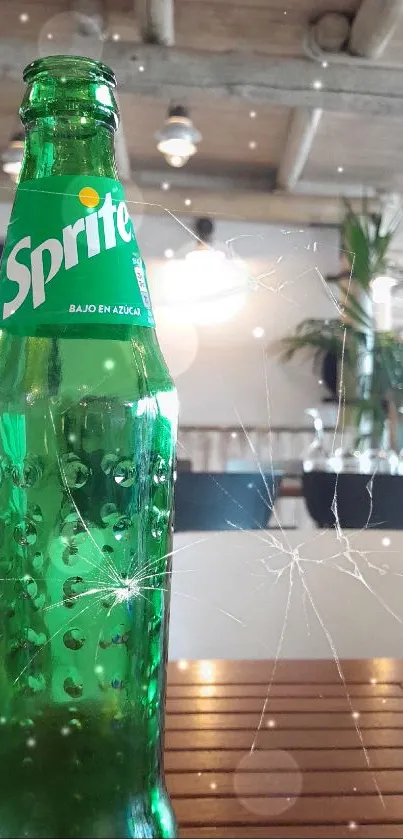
(88, 417)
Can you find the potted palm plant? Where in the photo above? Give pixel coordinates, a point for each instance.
(369, 361)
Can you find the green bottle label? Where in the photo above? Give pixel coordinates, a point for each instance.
(71, 256)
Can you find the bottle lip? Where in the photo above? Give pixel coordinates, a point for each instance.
(70, 66)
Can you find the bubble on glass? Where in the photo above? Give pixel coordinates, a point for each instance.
(70, 555)
(179, 342)
(109, 462)
(73, 531)
(74, 586)
(35, 513)
(71, 545)
(74, 472)
(279, 782)
(27, 586)
(72, 33)
(35, 684)
(37, 561)
(121, 530)
(120, 634)
(74, 639)
(160, 470)
(39, 602)
(25, 533)
(27, 473)
(158, 522)
(110, 515)
(124, 473)
(73, 686)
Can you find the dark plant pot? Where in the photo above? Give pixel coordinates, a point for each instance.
(361, 500)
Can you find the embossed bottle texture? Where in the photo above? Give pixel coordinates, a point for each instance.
(88, 417)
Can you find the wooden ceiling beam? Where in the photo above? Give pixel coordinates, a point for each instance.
(91, 21)
(147, 175)
(304, 124)
(171, 73)
(374, 26)
(90, 16)
(242, 205)
(156, 21)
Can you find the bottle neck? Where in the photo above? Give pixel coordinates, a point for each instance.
(68, 146)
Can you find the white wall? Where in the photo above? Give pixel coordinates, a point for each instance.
(227, 375)
(227, 601)
(221, 370)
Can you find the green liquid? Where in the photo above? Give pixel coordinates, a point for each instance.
(87, 435)
(84, 795)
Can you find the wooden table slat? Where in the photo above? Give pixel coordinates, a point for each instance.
(389, 671)
(276, 739)
(310, 760)
(305, 810)
(283, 722)
(198, 784)
(311, 773)
(324, 831)
(299, 705)
(260, 690)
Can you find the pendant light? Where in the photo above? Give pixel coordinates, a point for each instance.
(178, 139)
(209, 285)
(11, 158)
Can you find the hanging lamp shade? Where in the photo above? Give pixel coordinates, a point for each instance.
(178, 138)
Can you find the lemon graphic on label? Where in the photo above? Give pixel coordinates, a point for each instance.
(89, 196)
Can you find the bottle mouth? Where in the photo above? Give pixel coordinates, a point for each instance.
(69, 88)
(69, 68)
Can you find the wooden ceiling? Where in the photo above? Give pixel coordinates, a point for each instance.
(348, 152)
(370, 151)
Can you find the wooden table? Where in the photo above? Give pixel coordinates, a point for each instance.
(328, 756)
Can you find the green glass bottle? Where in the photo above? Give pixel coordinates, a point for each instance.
(88, 417)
